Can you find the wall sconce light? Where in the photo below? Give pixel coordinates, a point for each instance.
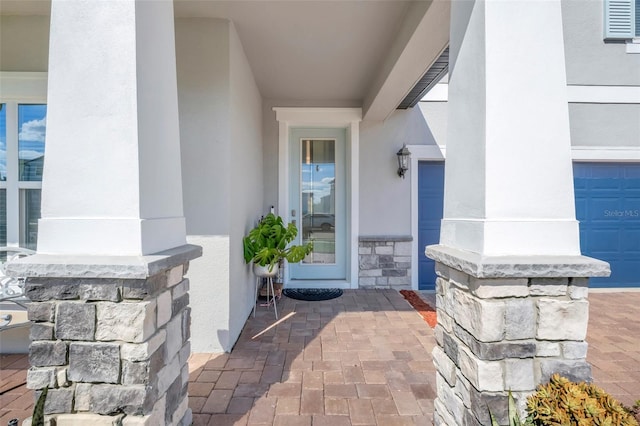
(403, 160)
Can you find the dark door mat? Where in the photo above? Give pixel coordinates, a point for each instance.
(312, 294)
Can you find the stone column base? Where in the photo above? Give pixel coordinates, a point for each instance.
(110, 337)
(506, 324)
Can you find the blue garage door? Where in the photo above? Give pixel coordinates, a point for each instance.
(608, 208)
(430, 201)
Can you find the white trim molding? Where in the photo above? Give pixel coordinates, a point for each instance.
(603, 94)
(23, 86)
(575, 94)
(633, 45)
(419, 153)
(605, 153)
(349, 119)
(17, 88)
(438, 93)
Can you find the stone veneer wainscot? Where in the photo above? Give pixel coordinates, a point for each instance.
(384, 261)
(110, 336)
(506, 323)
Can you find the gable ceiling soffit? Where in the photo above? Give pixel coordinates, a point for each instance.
(323, 52)
(423, 38)
(313, 51)
(25, 7)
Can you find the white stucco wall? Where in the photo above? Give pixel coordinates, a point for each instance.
(202, 50)
(385, 198)
(591, 61)
(221, 137)
(24, 43)
(246, 187)
(594, 124)
(435, 114)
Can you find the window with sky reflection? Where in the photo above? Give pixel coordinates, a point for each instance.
(32, 122)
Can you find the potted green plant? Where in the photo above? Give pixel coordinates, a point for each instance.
(268, 243)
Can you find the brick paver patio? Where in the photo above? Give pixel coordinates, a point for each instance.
(360, 359)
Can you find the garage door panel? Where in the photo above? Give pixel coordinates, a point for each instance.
(605, 184)
(608, 240)
(603, 208)
(604, 171)
(608, 208)
(631, 242)
(632, 173)
(631, 205)
(618, 274)
(581, 208)
(430, 205)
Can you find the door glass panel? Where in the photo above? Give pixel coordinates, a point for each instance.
(318, 199)
(32, 122)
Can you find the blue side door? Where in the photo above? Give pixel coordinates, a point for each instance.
(430, 204)
(608, 208)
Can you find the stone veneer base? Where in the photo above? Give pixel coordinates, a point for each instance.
(384, 261)
(506, 323)
(110, 336)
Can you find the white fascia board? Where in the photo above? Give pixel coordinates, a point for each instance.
(439, 93)
(578, 153)
(605, 154)
(23, 86)
(603, 94)
(303, 117)
(575, 94)
(424, 35)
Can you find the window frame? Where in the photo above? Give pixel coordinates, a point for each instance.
(18, 88)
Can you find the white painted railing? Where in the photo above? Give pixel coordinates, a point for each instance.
(11, 288)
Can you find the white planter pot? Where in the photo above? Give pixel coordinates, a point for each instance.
(263, 271)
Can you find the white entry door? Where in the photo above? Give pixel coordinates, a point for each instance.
(318, 201)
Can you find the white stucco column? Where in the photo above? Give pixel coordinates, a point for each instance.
(508, 264)
(112, 179)
(509, 187)
(109, 301)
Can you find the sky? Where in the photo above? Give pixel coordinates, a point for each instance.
(32, 121)
(317, 179)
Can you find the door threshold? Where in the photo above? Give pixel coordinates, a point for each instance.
(342, 284)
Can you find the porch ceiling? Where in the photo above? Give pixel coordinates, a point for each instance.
(312, 51)
(323, 53)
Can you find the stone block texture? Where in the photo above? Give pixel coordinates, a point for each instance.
(385, 262)
(496, 335)
(112, 349)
